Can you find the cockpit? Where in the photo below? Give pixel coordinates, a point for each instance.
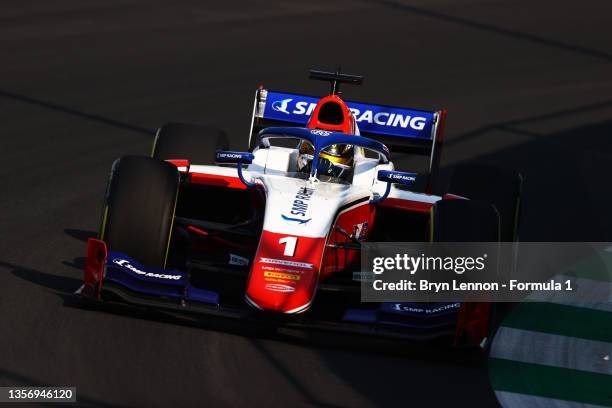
(314, 154)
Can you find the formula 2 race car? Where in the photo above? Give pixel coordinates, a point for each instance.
(273, 234)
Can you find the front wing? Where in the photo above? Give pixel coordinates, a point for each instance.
(112, 277)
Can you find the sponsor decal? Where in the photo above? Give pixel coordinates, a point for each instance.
(402, 177)
(296, 220)
(398, 177)
(281, 106)
(277, 287)
(126, 264)
(279, 275)
(389, 119)
(229, 155)
(320, 132)
(238, 260)
(299, 207)
(371, 118)
(400, 307)
(273, 268)
(286, 263)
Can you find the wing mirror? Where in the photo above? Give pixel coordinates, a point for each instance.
(239, 158)
(393, 177)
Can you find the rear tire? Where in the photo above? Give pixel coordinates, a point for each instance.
(502, 188)
(139, 209)
(468, 221)
(176, 141)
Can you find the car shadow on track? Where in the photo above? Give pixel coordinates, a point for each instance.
(57, 283)
(79, 235)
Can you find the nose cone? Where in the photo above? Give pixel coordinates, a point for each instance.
(285, 272)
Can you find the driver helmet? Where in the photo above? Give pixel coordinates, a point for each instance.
(339, 158)
(339, 154)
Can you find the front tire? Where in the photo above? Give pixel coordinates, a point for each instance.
(139, 209)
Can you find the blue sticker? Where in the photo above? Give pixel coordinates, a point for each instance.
(222, 156)
(397, 177)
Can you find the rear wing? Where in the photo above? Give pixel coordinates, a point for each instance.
(401, 129)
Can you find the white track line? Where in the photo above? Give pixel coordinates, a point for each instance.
(511, 399)
(588, 293)
(552, 350)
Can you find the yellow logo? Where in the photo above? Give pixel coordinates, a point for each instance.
(282, 276)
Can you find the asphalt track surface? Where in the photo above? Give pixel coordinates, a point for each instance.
(528, 85)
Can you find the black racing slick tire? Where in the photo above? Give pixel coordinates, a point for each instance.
(464, 221)
(139, 209)
(180, 141)
(500, 187)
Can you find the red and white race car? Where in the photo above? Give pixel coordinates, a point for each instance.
(273, 234)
